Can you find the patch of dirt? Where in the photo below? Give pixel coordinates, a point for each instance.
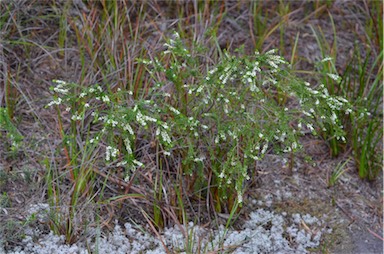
(352, 208)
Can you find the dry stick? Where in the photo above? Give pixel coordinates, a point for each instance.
(376, 235)
(154, 230)
(172, 213)
(117, 181)
(65, 147)
(250, 24)
(219, 250)
(106, 222)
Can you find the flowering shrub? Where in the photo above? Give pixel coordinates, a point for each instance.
(220, 118)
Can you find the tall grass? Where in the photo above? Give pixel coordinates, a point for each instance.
(361, 82)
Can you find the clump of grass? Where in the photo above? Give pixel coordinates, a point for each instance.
(337, 173)
(13, 138)
(360, 83)
(218, 120)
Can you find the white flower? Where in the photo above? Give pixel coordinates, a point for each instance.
(265, 147)
(165, 137)
(76, 117)
(112, 122)
(105, 98)
(61, 90)
(111, 152)
(165, 126)
(201, 159)
(270, 52)
(140, 119)
(121, 163)
(273, 64)
(150, 119)
(60, 82)
(334, 76)
(174, 110)
(108, 153)
(333, 118)
(310, 127)
(128, 128)
(239, 198)
(326, 59)
(138, 163)
(127, 144)
(57, 101)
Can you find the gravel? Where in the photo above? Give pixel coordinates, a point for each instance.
(264, 232)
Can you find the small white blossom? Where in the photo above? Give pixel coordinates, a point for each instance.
(60, 82)
(138, 163)
(265, 147)
(334, 76)
(299, 125)
(57, 101)
(76, 117)
(239, 198)
(174, 110)
(310, 127)
(326, 59)
(121, 163)
(333, 118)
(105, 98)
(128, 128)
(201, 159)
(127, 144)
(165, 137)
(110, 152)
(61, 90)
